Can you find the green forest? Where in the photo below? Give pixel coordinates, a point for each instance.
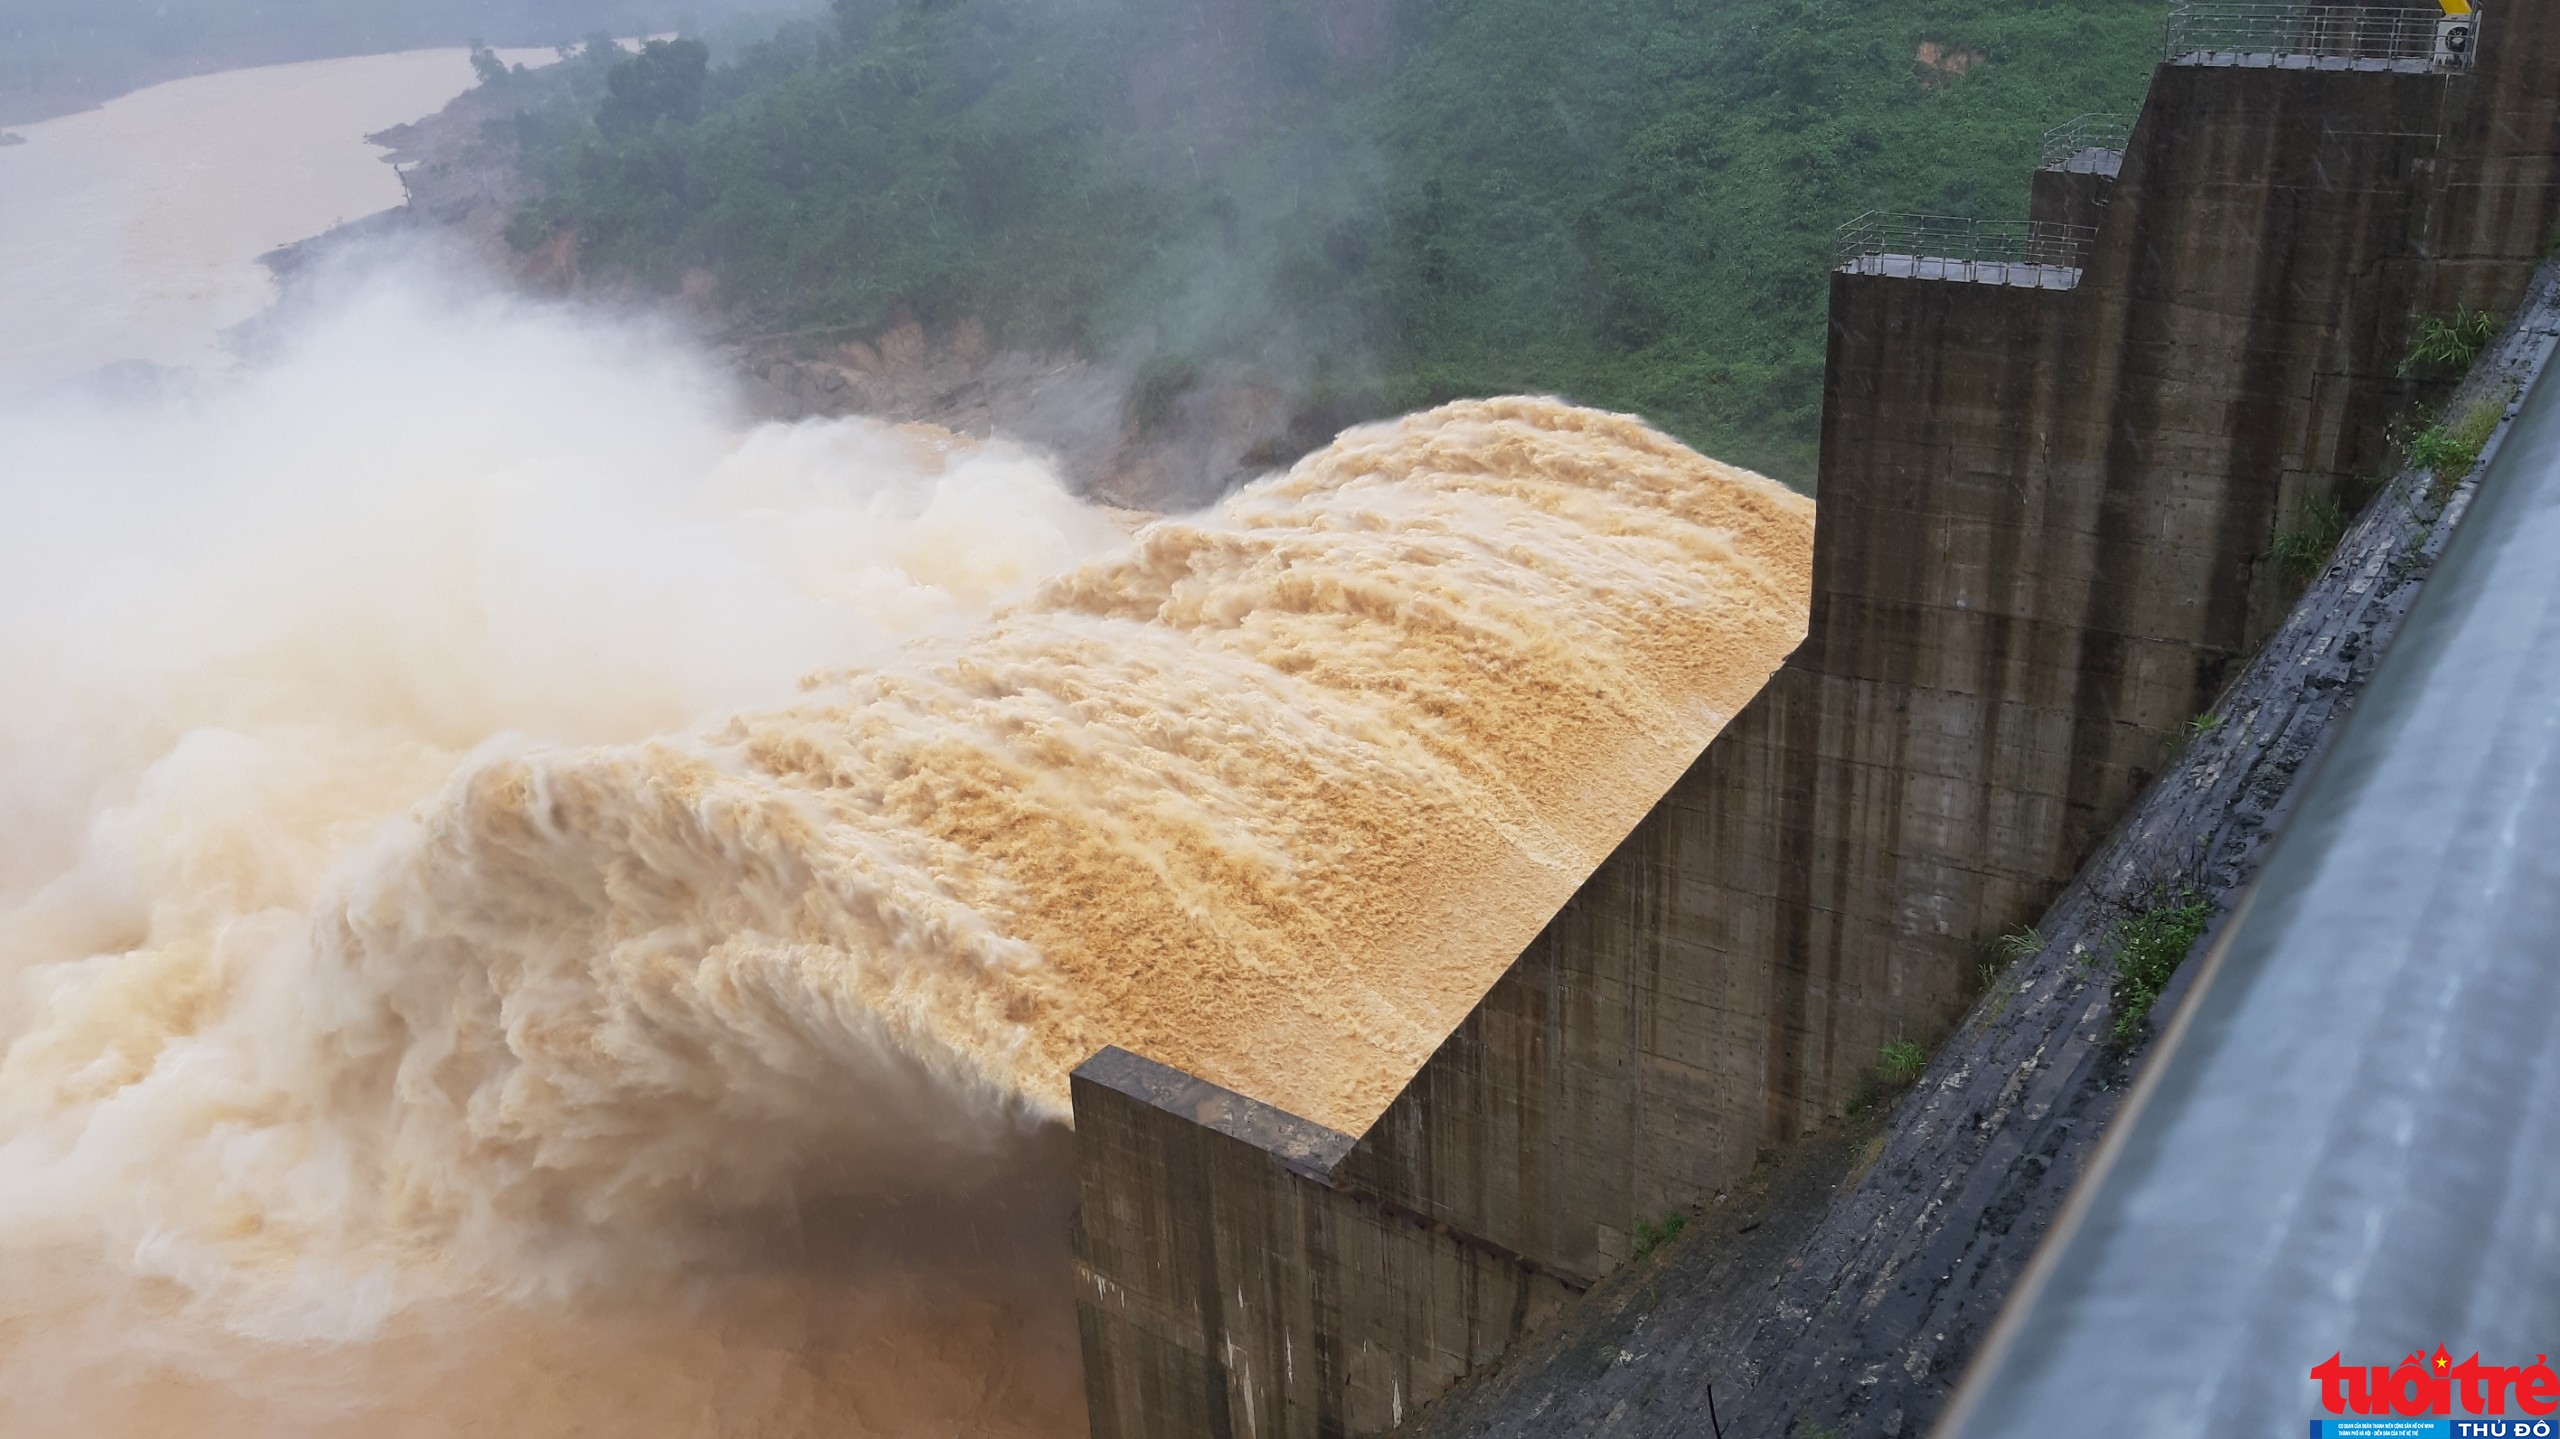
(1375, 204)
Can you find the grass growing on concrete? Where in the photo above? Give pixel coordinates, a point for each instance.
(2025, 942)
(2449, 343)
(2150, 945)
(2302, 551)
(1651, 1236)
(2018, 944)
(1897, 1065)
(2450, 447)
(1902, 1060)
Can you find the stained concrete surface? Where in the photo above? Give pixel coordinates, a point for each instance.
(2046, 541)
(1859, 1322)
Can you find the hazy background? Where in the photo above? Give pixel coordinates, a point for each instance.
(1363, 205)
(62, 55)
(256, 624)
(1322, 211)
(131, 234)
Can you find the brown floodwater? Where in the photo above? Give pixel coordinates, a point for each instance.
(132, 231)
(533, 906)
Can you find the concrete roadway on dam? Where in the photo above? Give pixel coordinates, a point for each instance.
(2349, 1143)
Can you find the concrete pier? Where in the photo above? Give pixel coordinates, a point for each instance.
(1240, 1287)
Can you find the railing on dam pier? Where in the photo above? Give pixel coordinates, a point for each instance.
(2088, 144)
(2031, 254)
(2321, 37)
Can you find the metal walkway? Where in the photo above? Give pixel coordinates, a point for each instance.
(1980, 272)
(2262, 60)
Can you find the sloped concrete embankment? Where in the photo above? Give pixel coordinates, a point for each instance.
(1843, 1289)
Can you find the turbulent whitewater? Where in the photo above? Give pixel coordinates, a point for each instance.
(425, 1009)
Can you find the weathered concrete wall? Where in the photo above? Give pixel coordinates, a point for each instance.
(2075, 192)
(1855, 1314)
(2045, 521)
(2492, 197)
(2042, 537)
(1625, 1061)
(1226, 1286)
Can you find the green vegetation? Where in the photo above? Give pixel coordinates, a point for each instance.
(2149, 948)
(2006, 952)
(1374, 204)
(2450, 447)
(2302, 551)
(1898, 1063)
(1901, 1061)
(2447, 344)
(660, 85)
(1650, 1236)
(2018, 944)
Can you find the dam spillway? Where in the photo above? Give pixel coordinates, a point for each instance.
(2048, 516)
(391, 1030)
(1304, 856)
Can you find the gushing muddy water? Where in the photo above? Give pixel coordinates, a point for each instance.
(533, 908)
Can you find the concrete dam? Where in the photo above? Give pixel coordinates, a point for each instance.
(631, 918)
(2395, 957)
(2060, 463)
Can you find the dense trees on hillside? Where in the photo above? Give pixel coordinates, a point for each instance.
(661, 83)
(1373, 202)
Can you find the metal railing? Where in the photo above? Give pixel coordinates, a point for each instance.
(2081, 134)
(2038, 254)
(2246, 32)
